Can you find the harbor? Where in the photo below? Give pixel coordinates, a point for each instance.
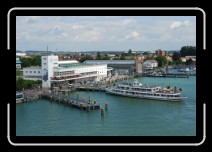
(125, 115)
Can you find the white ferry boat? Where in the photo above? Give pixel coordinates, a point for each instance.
(139, 90)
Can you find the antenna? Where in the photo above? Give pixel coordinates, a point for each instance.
(47, 50)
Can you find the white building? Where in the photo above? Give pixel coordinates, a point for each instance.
(75, 72)
(54, 71)
(20, 54)
(47, 64)
(183, 59)
(150, 64)
(32, 73)
(18, 63)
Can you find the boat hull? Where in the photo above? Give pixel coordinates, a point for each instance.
(148, 97)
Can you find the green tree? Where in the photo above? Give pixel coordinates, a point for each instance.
(98, 56)
(189, 62)
(105, 57)
(26, 62)
(129, 52)
(87, 57)
(176, 56)
(146, 53)
(161, 60)
(188, 51)
(26, 84)
(122, 57)
(18, 72)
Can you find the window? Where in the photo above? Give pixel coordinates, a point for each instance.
(30, 72)
(34, 71)
(26, 71)
(44, 63)
(44, 58)
(38, 71)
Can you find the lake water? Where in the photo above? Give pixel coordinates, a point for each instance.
(125, 116)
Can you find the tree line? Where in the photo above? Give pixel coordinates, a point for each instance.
(34, 60)
(26, 84)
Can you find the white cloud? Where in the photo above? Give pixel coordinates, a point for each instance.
(22, 35)
(128, 22)
(132, 35)
(63, 35)
(76, 27)
(88, 36)
(56, 30)
(30, 19)
(104, 33)
(178, 24)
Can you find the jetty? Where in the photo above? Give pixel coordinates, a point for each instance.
(80, 103)
(63, 97)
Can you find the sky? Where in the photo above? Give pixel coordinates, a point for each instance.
(104, 33)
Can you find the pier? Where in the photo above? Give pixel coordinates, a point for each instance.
(91, 89)
(63, 97)
(82, 103)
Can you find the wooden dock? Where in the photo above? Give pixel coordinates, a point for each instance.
(91, 89)
(82, 104)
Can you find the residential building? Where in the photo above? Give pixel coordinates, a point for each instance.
(183, 59)
(150, 64)
(160, 52)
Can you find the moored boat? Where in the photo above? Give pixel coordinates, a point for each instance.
(139, 90)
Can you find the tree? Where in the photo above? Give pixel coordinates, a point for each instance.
(176, 56)
(87, 57)
(188, 51)
(146, 53)
(122, 57)
(129, 52)
(18, 72)
(98, 56)
(105, 57)
(161, 60)
(189, 62)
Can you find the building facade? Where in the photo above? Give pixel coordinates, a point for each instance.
(58, 72)
(18, 63)
(160, 52)
(150, 64)
(32, 73)
(79, 73)
(123, 67)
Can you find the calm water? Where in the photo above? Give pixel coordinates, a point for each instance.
(125, 116)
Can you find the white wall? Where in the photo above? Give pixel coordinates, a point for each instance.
(48, 63)
(32, 73)
(18, 66)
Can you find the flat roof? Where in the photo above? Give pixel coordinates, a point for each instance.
(33, 67)
(110, 61)
(77, 66)
(67, 62)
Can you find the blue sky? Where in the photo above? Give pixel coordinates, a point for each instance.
(102, 33)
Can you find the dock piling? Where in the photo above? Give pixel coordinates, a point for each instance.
(102, 111)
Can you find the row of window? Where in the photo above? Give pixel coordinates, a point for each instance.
(32, 71)
(134, 93)
(137, 89)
